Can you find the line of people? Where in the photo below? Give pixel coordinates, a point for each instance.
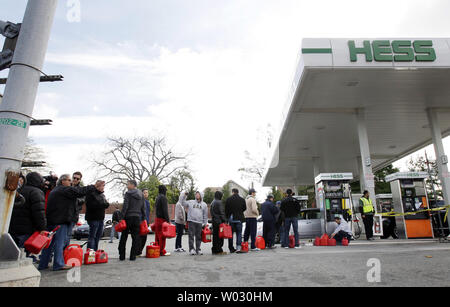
(44, 203)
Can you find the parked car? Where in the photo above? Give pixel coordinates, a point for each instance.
(82, 230)
(308, 225)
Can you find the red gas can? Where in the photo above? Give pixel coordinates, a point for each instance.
(345, 242)
(206, 235)
(331, 242)
(73, 255)
(225, 231)
(169, 230)
(89, 256)
(121, 226)
(260, 242)
(291, 241)
(37, 242)
(317, 241)
(244, 247)
(324, 240)
(143, 228)
(152, 251)
(101, 256)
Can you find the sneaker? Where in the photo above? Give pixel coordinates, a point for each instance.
(272, 247)
(182, 250)
(192, 252)
(287, 247)
(297, 247)
(177, 250)
(166, 254)
(223, 253)
(199, 252)
(255, 249)
(232, 251)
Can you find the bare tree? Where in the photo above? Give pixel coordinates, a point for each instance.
(138, 158)
(254, 165)
(34, 153)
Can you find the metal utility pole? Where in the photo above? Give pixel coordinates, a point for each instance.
(18, 100)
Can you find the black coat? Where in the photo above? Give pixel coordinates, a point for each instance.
(235, 205)
(62, 203)
(161, 207)
(290, 207)
(28, 213)
(96, 204)
(218, 212)
(269, 211)
(134, 205)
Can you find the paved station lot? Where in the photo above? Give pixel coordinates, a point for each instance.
(418, 263)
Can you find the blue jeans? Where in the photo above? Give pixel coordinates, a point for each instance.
(95, 233)
(56, 248)
(250, 230)
(113, 233)
(237, 228)
(180, 231)
(69, 234)
(287, 226)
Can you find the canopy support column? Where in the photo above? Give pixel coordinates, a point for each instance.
(441, 158)
(366, 175)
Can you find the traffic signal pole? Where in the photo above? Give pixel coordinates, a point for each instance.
(17, 105)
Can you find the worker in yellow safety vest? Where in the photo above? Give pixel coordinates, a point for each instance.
(367, 211)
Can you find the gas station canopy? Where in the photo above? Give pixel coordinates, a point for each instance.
(393, 81)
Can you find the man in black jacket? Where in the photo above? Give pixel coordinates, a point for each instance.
(133, 212)
(291, 209)
(76, 182)
(96, 204)
(60, 212)
(218, 217)
(28, 213)
(234, 212)
(162, 215)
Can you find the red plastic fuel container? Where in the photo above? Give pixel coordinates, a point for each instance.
(90, 256)
(143, 228)
(121, 226)
(260, 242)
(206, 235)
(331, 242)
(344, 242)
(317, 241)
(225, 231)
(244, 247)
(37, 242)
(291, 241)
(152, 251)
(73, 255)
(169, 230)
(324, 240)
(101, 256)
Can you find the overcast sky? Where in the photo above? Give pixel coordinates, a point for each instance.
(208, 74)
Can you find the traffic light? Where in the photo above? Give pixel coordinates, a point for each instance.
(11, 32)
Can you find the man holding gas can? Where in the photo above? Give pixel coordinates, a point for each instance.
(133, 212)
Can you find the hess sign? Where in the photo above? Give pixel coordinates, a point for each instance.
(397, 51)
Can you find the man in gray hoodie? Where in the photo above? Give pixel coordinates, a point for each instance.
(180, 222)
(133, 212)
(197, 219)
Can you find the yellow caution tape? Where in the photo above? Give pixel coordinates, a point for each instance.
(393, 213)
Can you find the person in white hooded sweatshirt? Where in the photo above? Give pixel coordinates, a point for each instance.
(197, 217)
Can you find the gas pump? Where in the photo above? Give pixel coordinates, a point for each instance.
(333, 197)
(409, 195)
(384, 205)
(303, 200)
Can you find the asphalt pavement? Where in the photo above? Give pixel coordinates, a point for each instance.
(396, 263)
